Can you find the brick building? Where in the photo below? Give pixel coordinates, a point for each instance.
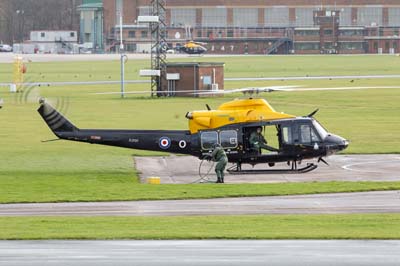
(263, 27)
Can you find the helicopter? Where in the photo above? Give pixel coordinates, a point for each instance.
(192, 47)
(230, 125)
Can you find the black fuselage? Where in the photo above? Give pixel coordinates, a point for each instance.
(298, 139)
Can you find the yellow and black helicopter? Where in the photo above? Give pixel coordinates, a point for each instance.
(230, 125)
(192, 48)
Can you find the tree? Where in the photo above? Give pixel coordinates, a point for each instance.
(19, 17)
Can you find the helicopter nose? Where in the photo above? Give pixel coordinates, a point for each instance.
(336, 143)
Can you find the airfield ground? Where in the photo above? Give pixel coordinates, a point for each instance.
(187, 169)
(31, 171)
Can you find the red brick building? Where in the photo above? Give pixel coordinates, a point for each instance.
(263, 27)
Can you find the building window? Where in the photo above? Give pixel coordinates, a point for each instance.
(88, 37)
(307, 32)
(394, 16)
(199, 34)
(328, 46)
(131, 47)
(229, 33)
(214, 17)
(375, 45)
(144, 34)
(369, 16)
(72, 34)
(245, 17)
(181, 17)
(304, 16)
(387, 45)
(42, 34)
(277, 16)
(132, 34)
(351, 32)
(352, 46)
(328, 32)
(307, 46)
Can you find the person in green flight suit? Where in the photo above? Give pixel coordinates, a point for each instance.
(258, 142)
(218, 155)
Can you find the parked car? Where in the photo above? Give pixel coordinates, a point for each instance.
(5, 48)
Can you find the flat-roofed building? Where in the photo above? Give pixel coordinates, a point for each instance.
(262, 27)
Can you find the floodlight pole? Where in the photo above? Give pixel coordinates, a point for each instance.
(123, 56)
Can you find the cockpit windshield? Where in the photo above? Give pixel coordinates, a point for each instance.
(320, 129)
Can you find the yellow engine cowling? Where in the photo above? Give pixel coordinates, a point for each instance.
(237, 111)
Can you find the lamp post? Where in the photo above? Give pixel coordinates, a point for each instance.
(21, 21)
(123, 58)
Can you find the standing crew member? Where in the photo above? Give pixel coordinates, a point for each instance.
(258, 142)
(219, 156)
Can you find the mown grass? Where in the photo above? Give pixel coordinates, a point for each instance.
(354, 226)
(236, 66)
(66, 171)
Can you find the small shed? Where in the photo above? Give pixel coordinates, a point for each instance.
(192, 76)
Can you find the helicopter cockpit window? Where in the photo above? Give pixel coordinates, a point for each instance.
(287, 135)
(307, 134)
(321, 130)
(228, 139)
(208, 140)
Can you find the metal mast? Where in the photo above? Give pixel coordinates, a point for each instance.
(158, 46)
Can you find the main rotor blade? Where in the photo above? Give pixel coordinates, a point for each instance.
(197, 92)
(249, 90)
(313, 113)
(339, 88)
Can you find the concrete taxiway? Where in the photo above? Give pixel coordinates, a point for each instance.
(364, 202)
(185, 169)
(213, 252)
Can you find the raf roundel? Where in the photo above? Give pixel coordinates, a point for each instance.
(164, 143)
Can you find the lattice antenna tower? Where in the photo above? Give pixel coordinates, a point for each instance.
(159, 46)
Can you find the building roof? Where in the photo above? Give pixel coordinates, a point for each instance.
(195, 64)
(84, 2)
(90, 5)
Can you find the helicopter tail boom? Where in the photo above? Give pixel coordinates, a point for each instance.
(175, 141)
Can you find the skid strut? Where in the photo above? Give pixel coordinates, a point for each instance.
(235, 170)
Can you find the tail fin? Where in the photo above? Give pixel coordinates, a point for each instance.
(56, 121)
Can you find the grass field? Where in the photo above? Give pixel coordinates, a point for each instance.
(65, 171)
(355, 226)
(243, 66)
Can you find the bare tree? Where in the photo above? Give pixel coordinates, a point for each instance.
(19, 17)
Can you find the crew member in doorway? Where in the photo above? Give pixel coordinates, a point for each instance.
(219, 156)
(258, 142)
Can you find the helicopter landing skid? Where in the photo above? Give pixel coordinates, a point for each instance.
(237, 171)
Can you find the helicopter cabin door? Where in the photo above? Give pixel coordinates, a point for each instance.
(271, 134)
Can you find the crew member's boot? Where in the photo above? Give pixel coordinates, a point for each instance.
(218, 176)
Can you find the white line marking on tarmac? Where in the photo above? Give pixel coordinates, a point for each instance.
(349, 166)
